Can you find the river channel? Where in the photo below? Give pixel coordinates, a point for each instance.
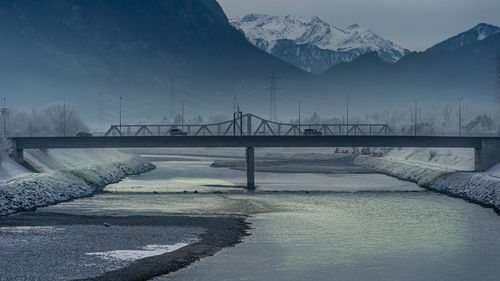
(308, 226)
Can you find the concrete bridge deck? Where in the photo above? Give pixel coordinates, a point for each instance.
(487, 149)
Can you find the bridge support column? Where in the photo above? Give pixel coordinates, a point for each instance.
(17, 154)
(250, 168)
(477, 160)
(488, 156)
(249, 125)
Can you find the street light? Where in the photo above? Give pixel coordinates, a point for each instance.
(347, 115)
(415, 117)
(120, 116)
(4, 116)
(64, 118)
(460, 116)
(299, 116)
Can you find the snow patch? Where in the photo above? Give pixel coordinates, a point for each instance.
(32, 229)
(132, 255)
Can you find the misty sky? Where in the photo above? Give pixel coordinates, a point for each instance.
(413, 24)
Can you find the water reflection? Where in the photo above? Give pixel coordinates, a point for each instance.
(346, 227)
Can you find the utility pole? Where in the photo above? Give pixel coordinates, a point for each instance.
(347, 114)
(460, 116)
(273, 106)
(182, 118)
(415, 117)
(240, 117)
(4, 117)
(172, 99)
(299, 116)
(120, 116)
(234, 116)
(64, 118)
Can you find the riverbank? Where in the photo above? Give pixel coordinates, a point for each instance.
(447, 171)
(60, 175)
(49, 246)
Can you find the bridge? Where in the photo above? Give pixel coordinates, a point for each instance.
(487, 149)
(250, 125)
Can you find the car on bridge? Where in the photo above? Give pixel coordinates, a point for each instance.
(83, 134)
(312, 132)
(176, 132)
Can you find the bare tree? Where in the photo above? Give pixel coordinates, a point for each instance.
(5, 148)
(63, 118)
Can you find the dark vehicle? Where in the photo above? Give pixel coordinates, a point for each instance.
(312, 132)
(83, 134)
(177, 132)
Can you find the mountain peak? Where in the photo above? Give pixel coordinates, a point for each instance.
(478, 33)
(353, 26)
(483, 25)
(266, 32)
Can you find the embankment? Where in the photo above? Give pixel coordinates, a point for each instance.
(447, 171)
(62, 175)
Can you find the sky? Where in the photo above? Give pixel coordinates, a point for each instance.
(413, 24)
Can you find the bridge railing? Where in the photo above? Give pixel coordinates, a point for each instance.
(250, 125)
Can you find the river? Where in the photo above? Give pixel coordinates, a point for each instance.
(308, 226)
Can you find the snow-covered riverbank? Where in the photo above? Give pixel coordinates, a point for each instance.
(62, 175)
(443, 170)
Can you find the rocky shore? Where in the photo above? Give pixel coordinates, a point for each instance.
(52, 238)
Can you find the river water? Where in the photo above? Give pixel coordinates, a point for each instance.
(315, 226)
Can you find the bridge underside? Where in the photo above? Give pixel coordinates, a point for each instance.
(487, 149)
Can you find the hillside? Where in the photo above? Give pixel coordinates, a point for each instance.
(311, 43)
(443, 73)
(86, 51)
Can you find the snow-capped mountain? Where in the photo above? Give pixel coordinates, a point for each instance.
(478, 33)
(313, 44)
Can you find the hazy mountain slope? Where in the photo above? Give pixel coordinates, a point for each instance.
(479, 32)
(445, 75)
(313, 44)
(77, 50)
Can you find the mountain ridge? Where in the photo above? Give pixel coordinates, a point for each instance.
(318, 45)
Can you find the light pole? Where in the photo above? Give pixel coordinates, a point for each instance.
(4, 116)
(64, 118)
(347, 114)
(460, 116)
(234, 116)
(120, 116)
(415, 117)
(182, 121)
(299, 116)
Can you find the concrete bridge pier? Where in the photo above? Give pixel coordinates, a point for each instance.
(250, 157)
(488, 155)
(17, 153)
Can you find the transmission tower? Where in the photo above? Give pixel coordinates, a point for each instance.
(273, 104)
(172, 100)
